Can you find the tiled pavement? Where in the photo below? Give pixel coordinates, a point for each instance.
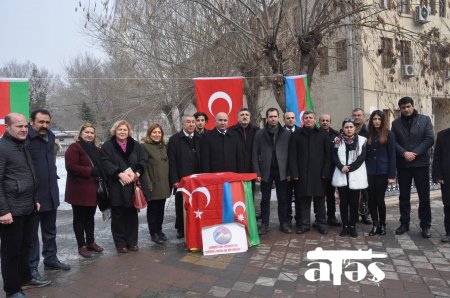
(415, 267)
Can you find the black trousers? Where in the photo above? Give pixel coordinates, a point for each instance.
(290, 194)
(155, 215)
(266, 191)
(84, 223)
(422, 181)
(47, 221)
(447, 219)
(377, 191)
(331, 199)
(124, 226)
(179, 212)
(15, 251)
(349, 202)
(305, 211)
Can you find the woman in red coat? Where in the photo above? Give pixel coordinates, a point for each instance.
(83, 167)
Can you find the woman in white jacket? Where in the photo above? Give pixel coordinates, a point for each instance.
(350, 175)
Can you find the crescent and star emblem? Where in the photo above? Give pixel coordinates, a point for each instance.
(217, 95)
(235, 206)
(203, 190)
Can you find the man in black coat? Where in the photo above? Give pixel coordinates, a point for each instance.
(183, 151)
(200, 122)
(414, 137)
(325, 125)
(441, 175)
(220, 149)
(270, 157)
(18, 202)
(289, 125)
(310, 158)
(41, 143)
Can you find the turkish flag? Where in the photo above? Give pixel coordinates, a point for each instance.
(216, 95)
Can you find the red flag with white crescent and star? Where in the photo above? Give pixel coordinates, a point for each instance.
(216, 95)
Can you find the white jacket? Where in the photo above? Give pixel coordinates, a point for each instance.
(357, 179)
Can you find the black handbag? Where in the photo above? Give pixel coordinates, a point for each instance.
(102, 194)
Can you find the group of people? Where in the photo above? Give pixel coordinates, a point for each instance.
(307, 163)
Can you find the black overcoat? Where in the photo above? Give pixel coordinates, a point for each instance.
(114, 161)
(184, 159)
(246, 138)
(441, 163)
(309, 160)
(220, 152)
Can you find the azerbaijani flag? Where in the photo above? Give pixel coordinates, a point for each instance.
(298, 99)
(13, 98)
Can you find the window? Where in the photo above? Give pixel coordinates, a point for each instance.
(386, 52)
(432, 4)
(443, 8)
(323, 62)
(405, 52)
(436, 60)
(403, 6)
(385, 4)
(341, 55)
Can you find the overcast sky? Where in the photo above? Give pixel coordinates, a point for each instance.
(48, 33)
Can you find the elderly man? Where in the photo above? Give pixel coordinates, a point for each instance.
(183, 151)
(220, 149)
(41, 142)
(325, 125)
(270, 156)
(414, 136)
(18, 202)
(310, 158)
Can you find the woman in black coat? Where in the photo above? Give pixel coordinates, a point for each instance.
(123, 162)
(441, 174)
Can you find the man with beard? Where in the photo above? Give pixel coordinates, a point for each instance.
(183, 151)
(40, 143)
(414, 136)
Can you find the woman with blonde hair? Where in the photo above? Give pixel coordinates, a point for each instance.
(123, 162)
(157, 177)
(83, 165)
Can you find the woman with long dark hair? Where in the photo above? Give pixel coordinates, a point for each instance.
(157, 176)
(123, 162)
(381, 165)
(350, 175)
(83, 165)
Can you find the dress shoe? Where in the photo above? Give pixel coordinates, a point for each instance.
(302, 230)
(365, 220)
(133, 248)
(263, 229)
(35, 283)
(35, 273)
(374, 230)
(315, 225)
(17, 295)
(285, 228)
(402, 229)
(180, 234)
(445, 238)
(94, 247)
(426, 233)
(156, 238)
(56, 265)
(323, 230)
(122, 249)
(83, 251)
(162, 236)
(381, 230)
(333, 222)
(344, 231)
(352, 232)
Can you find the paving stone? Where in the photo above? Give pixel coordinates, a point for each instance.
(242, 286)
(218, 291)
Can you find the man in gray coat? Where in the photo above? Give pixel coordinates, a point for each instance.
(18, 202)
(414, 137)
(270, 156)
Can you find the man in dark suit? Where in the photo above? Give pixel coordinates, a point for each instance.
(289, 125)
(414, 136)
(183, 151)
(270, 162)
(41, 142)
(220, 149)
